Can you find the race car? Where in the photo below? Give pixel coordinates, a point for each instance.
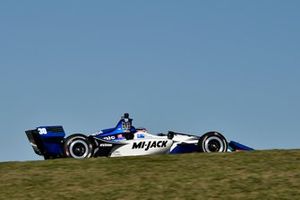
(124, 140)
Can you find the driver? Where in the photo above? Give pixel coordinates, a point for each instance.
(127, 123)
(127, 127)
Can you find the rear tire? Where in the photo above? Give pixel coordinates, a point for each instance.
(212, 142)
(78, 146)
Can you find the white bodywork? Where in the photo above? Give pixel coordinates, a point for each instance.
(145, 143)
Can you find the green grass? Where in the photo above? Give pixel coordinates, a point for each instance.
(243, 175)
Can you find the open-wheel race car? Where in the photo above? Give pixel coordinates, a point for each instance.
(124, 140)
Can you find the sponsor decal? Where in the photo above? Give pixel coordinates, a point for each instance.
(140, 136)
(149, 145)
(105, 145)
(97, 133)
(42, 131)
(109, 138)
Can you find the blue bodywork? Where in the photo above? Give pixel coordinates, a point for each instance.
(235, 146)
(122, 127)
(53, 141)
(190, 148)
(184, 148)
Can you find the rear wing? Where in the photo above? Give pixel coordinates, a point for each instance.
(47, 141)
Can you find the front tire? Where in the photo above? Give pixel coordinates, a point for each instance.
(212, 142)
(78, 146)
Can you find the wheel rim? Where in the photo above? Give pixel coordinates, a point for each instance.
(79, 149)
(214, 144)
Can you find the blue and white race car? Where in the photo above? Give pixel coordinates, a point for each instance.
(124, 140)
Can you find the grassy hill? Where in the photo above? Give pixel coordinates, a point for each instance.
(243, 175)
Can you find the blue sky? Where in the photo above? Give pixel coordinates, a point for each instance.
(194, 66)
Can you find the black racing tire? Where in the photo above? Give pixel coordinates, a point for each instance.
(78, 146)
(47, 157)
(212, 142)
